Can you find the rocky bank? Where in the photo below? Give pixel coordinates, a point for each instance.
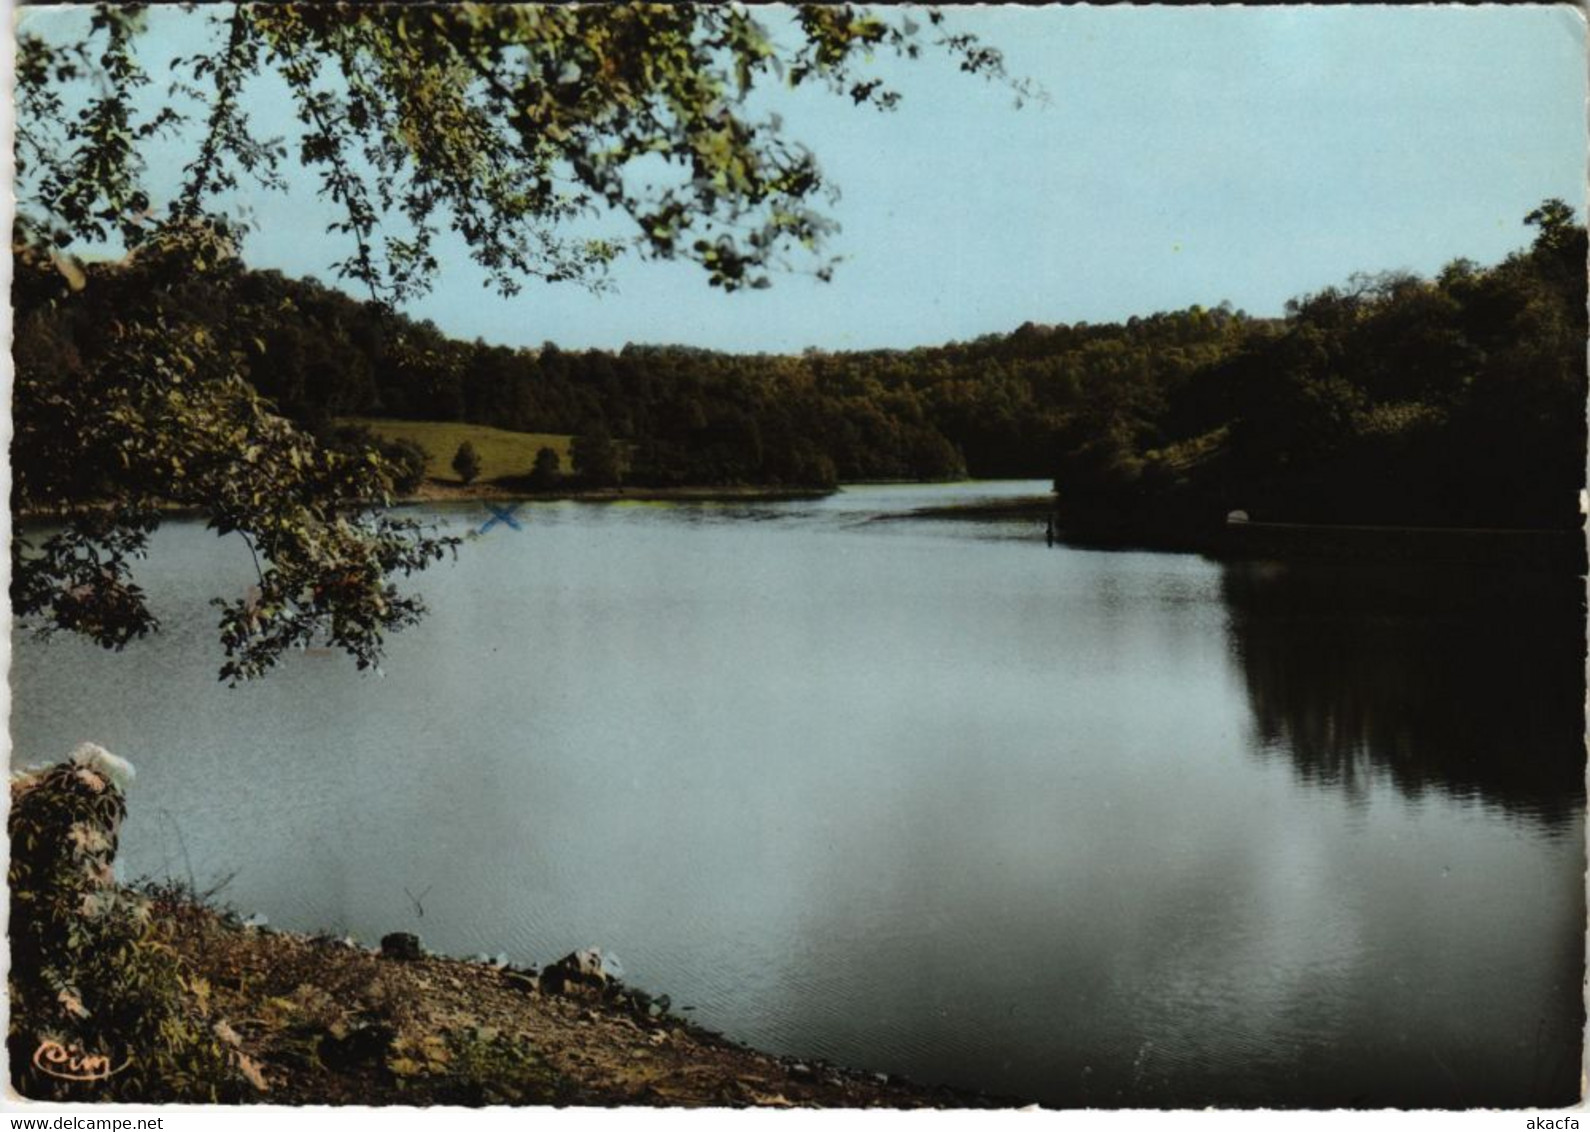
(150, 994)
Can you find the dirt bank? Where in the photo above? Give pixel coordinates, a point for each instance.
(329, 1022)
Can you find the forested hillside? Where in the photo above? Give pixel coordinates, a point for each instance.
(1389, 399)
(993, 407)
(1457, 401)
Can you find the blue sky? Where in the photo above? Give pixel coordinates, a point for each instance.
(1187, 155)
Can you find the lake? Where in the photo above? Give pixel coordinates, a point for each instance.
(926, 797)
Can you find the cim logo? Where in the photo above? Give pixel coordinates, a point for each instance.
(72, 1064)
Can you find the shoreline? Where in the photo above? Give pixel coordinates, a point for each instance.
(1034, 507)
(1533, 548)
(206, 1007)
(1559, 551)
(441, 491)
(563, 1035)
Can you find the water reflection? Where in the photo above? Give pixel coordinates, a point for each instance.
(1467, 681)
(916, 800)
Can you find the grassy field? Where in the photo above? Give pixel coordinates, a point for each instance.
(502, 453)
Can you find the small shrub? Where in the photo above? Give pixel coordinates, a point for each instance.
(547, 470)
(466, 462)
(475, 1066)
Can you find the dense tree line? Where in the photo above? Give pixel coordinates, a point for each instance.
(1390, 399)
(665, 415)
(1458, 400)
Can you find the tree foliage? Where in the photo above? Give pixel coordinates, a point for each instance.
(596, 458)
(508, 124)
(546, 471)
(466, 462)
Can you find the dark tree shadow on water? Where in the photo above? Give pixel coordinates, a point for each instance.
(1466, 681)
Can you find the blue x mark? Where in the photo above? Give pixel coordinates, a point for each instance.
(499, 515)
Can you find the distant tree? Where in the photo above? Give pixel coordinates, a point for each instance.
(547, 469)
(466, 462)
(1555, 219)
(595, 458)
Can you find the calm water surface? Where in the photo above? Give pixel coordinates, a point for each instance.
(1084, 827)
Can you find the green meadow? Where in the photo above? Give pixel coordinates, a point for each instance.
(502, 453)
